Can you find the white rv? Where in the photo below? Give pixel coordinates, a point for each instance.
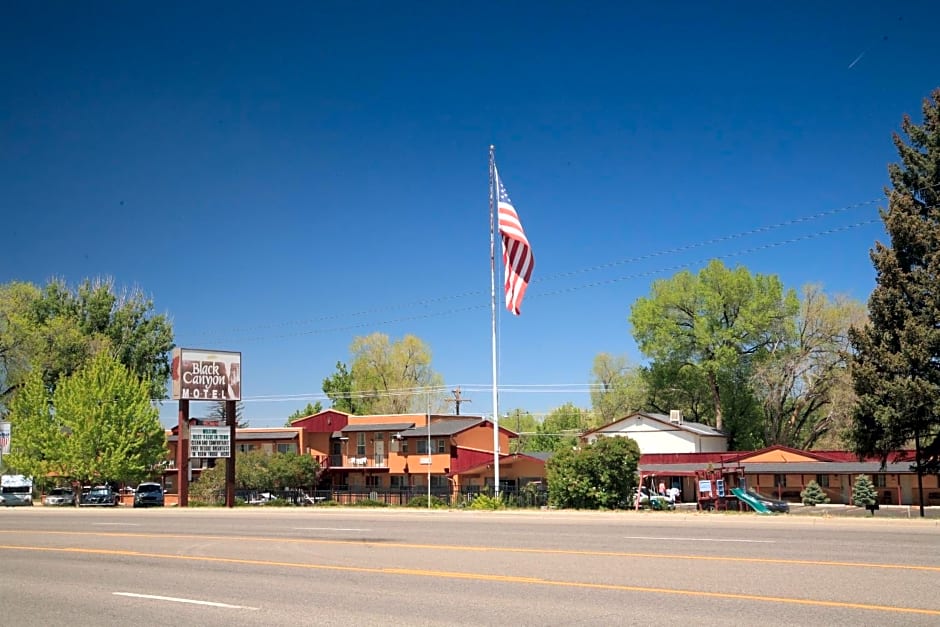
(16, 490)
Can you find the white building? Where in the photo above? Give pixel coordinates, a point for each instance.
(659, 433)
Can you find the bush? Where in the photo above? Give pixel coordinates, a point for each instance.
(813, 494)
(484, 501)
(370, 503)
(422, 501)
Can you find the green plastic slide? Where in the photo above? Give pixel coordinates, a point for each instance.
(744, 497)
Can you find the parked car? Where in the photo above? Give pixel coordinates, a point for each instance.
(774, 505)
(60, 496)
(100, 495)
(148, 495)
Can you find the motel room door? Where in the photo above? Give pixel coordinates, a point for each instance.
(379, 453)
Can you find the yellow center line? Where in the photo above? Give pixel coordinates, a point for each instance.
(488, 549)
(439, 574)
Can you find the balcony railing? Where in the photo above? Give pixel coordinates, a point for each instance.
(358, 461)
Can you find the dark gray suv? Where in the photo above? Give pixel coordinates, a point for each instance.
(148, 495)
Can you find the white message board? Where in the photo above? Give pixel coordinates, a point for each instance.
(209, 442)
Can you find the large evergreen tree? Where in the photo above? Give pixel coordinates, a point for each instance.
(895, 369)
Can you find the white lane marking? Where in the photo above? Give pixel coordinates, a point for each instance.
(328, 529)
(702, 539)
(179, 600)
(119, 524)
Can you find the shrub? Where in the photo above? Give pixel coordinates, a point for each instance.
(484, 501)
(370, 503)
(422, 501)
(813, 494)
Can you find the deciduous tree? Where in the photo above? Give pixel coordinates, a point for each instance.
(618, 388)
(100, 426)
(802, 381)
(392, 377)
(712, 321)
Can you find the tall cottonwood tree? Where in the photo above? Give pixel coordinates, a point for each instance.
(802, 381)
(895, 367)
(386, 377)
(618, 388)
(712, 322)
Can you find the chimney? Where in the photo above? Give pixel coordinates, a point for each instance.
(675, 416)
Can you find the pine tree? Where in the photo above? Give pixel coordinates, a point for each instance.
(894, 369)
(864, 494)
(813, 494)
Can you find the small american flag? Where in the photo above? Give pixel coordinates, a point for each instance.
(5, 438)
(517, 254)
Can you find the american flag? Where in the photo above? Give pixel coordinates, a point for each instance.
(517, 254)
(4, 438)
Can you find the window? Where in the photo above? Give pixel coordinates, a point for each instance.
(373, 481)
(780, 481)
(822, 480)
(422, 446)
(361, 444)
(404, 446)
(289, 447)
(246, 448)
(881, 481)
(398, 481)
(439, 481)
(441, 446)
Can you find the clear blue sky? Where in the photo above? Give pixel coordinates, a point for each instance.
(281, 180)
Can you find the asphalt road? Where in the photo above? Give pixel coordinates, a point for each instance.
(327, 566)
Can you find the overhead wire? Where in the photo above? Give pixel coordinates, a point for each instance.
(235, 331)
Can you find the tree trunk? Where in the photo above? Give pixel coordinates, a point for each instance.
(920, 470)
(716, 398)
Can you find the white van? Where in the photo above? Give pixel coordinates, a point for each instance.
(16, 490)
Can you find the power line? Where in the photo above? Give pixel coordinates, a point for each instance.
(595, 284)
(602, 266)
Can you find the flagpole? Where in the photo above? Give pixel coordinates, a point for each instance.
(493, 195)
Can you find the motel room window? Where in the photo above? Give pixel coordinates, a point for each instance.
(439, 481)
(441, 446)
(246, 448)
(822, 480)
(361, 444)
(881, 481)
(373, 481)
(422, 447)
(289, 447)
(398, 481)
(780, 481)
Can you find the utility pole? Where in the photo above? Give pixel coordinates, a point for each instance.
(457, 400)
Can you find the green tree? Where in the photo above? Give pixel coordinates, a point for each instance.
(58, 329)
(18, 339)
(601, 475)
(339, 388)
(896, 355)
(559, 430)
(101, 425)
(522, 423)
(864, 494)
(38, 439)
(618, 388)
(712, 321)
(813, 494)
(392, 377)
(309, 410)
(293, 471)
(802, 381)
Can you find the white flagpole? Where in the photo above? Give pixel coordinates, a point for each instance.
(494, 199)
